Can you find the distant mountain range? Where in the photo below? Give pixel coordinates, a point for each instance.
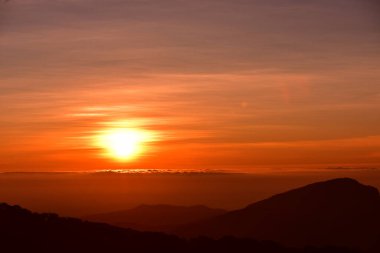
(330, 216)
(162, 218)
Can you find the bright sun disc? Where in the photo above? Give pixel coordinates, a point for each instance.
(122, 144)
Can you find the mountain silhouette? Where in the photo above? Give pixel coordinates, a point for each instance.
(24, 231)
(336, 212)
(156, 217)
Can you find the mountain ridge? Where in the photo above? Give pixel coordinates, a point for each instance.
(161, 217)
(339, 211)
(24, 231)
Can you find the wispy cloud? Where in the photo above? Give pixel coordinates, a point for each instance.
(223, 82)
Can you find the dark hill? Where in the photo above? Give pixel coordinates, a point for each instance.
(336, 212)
(23, 231)
(156, 217)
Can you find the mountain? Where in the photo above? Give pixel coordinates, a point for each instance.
(336, 212)
(24, 231)
(156, 217)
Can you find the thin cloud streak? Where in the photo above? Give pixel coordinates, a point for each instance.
(221, 82)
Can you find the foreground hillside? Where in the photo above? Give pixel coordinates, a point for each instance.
(24, 231)
(336, 212)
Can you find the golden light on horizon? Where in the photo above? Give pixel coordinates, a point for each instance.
(123, 144)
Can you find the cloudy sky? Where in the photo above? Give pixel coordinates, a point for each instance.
(219, 84)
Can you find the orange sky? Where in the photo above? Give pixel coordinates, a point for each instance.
(243, 85)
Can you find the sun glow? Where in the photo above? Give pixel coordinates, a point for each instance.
(123, 144)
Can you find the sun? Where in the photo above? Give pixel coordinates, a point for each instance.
(122, 144)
